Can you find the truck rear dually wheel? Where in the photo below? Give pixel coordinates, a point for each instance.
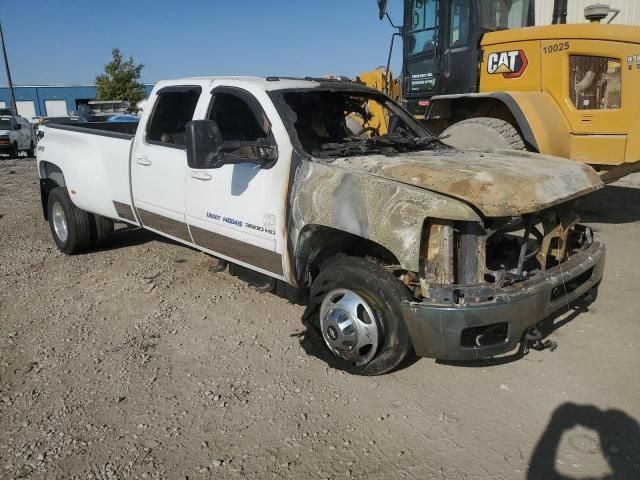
(483, 133)
(101, 231)
(356, 307)
(70, 226)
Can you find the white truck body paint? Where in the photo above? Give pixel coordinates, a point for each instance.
(100, 170)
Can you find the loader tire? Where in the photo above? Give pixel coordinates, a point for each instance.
(483, 133)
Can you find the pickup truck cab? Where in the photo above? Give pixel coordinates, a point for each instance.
(398, 242)
(16, 135)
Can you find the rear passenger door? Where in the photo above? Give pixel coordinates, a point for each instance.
(159, 162)
(237, 211)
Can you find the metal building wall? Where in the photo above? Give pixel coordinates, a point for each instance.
(40, 94)
(629, 15)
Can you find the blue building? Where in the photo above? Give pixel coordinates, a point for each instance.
(51, 101)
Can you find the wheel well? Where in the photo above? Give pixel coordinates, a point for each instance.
(317, 244)
(446, 112)
(51, 176)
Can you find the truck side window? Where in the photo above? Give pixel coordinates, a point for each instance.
(172, 111)
(236, 120)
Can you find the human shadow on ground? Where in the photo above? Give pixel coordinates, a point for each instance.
(619, 442)
(613, 205)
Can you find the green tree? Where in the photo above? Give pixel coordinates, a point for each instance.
(120, 80)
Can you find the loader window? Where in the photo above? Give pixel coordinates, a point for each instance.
(173, 110)
(459, 23)
(506, 14)
(423, 22)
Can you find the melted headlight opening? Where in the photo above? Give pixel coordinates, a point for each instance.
(501, 252)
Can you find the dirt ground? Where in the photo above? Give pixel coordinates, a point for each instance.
(138, 362)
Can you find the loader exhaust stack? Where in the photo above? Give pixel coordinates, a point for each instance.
(560, 12)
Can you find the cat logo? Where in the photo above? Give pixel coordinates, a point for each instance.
(510, 64)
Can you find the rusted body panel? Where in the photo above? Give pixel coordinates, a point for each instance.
(498, 183)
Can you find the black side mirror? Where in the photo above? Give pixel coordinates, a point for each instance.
(17, 126)
(204, 144)
(382, 5)
(206, 148)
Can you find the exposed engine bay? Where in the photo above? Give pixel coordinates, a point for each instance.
(501, 253)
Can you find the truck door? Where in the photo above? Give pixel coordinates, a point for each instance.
(236, 212)
(159, 162)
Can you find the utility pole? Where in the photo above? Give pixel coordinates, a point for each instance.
(6, 66)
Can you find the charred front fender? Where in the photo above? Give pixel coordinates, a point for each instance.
(387, 213)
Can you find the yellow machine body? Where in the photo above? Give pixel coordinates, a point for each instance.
(382, 80)
(576, 88)
(570, 90)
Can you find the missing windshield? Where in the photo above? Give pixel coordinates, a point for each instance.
(332, 124)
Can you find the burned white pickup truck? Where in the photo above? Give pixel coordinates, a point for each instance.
(399, 243)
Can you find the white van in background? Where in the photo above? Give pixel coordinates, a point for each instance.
(16, 135)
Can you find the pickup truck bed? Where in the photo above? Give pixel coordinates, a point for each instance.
(105, 181)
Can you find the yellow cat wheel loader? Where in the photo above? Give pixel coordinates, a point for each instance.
(481, 73)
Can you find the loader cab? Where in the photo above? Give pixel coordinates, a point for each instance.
(441, 41)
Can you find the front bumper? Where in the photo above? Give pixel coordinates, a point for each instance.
(437, 328)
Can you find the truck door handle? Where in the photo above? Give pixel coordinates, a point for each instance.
(144, 161)
(200, 175)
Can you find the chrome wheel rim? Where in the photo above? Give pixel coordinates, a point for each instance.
(59, 222)
(348, 326)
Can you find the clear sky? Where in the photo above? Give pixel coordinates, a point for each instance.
(69, 41)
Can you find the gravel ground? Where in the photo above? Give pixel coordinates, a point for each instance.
(138, 362)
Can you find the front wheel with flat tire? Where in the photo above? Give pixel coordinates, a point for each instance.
(356, 309)
(70, 226)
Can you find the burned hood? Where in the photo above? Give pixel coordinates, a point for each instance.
(499, 183)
